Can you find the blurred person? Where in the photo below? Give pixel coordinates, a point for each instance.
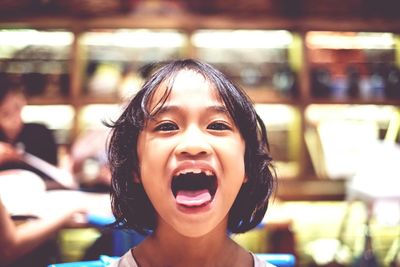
(32, 242)
(17, 137)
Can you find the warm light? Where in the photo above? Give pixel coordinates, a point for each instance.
(316, 113)
(22, 38)
(50, 115)
(93, 116)
(242, 39)
(135, 38)
(344, 135)
(349, 40)
(276, 114)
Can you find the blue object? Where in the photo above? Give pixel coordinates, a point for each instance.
(123, 240)
(97, 263)
(102, 262)
(279, 260)
(99, 220)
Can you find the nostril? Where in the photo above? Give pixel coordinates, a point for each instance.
(193, 148)
(191, 153)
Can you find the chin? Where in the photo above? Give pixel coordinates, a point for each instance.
(195, 231)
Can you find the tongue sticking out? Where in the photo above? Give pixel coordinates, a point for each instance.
(193, 198)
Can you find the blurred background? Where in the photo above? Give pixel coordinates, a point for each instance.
(324, 76)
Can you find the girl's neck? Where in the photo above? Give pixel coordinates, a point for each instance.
(171, 249)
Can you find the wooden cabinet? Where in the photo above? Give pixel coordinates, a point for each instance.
(115, 45)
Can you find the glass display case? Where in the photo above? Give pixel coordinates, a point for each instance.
(38, 60)
(115, 60)
(354, 65)
(255, 59)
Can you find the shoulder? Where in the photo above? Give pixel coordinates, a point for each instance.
(37, 127)
(126, 260)
(260, 263)
(32, 131)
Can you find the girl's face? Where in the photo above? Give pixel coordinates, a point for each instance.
(191, 157)
(10, 114)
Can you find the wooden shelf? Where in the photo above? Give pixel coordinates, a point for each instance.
(367, 24)
(187, 21)
(91, 99)
(357, 101)
(310, 189)
(268, 96)
(49, 100)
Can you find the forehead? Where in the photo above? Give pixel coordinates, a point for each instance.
(188, 86)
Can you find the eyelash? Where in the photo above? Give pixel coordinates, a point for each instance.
(166, 127)
(218, 126)
(170, 126)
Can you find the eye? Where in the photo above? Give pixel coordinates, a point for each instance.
(166, 127)
(219, 126)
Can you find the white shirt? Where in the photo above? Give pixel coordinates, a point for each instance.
(127, 260)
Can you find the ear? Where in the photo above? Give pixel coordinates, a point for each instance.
(245, 179)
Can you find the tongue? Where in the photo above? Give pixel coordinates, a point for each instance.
(193, 198)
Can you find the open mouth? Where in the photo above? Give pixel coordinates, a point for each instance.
(194, 189)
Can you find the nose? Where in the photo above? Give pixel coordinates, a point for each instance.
(193, 142)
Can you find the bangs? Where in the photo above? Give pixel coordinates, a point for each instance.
(166, 83)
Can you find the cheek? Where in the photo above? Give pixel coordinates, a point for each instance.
(233, 160)
(241, 163)
(151, 158)
(238, 166)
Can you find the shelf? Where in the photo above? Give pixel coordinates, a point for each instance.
(331, 101)
(88, 100)
(78, 102)
(159, 21)
(49, 100)
(192, 21)
(262, 97)
(311, 189)
(268, 96)
(367, 24)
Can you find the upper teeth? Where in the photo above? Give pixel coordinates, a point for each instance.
(207, 172)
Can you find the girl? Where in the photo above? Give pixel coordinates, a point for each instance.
(190, 163)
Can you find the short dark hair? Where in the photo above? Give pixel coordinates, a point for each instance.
(130, 204)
